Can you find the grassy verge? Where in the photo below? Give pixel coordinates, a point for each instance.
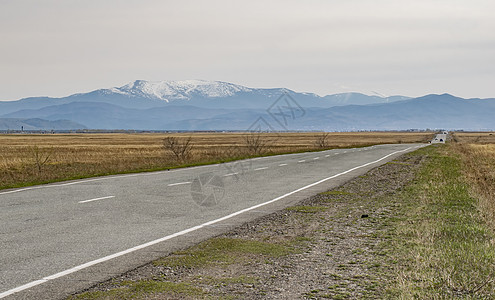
(145, 288)
(479, 167)
(223, 252)
(440, 246)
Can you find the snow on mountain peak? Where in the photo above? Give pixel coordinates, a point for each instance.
(184, 90)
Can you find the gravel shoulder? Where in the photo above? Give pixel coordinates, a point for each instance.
(332, 245)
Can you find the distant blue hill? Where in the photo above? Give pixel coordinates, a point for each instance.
(38, 124)
(203, 105)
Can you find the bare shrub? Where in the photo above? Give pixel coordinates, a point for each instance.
(180, 147)
(322, 140)
(256, 144)
(41, 157)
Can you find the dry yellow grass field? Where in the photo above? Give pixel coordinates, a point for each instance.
(474, 137)
(477, 151)
(32, 159)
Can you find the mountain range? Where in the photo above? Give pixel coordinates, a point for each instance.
(215, 105)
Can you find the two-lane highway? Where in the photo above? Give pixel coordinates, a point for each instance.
(59, 238)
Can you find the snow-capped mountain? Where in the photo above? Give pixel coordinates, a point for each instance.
(180, 90)
(216, 105)
(141, 94)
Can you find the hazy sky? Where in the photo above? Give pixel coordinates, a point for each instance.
(412, 48)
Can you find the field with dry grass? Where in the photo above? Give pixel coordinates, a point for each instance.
(32, 159)
(477, 151)
(474, 137)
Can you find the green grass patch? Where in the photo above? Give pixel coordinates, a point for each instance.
(223, 251)
(307, 209)
(139, 289)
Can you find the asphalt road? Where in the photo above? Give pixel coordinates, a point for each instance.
(60, 238)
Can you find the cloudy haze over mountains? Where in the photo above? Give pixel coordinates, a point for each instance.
(215, 105)
(413, 48)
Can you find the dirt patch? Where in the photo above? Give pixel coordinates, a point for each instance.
(329, 246)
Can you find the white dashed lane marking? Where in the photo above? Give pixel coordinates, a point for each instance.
(179, 183)
(230, 174)
(96, 199)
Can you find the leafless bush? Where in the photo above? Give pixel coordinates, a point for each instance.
(322, 140)
(41, 157)
(256, 144)
(180, 147)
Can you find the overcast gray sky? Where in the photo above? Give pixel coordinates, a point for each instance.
(412, 48)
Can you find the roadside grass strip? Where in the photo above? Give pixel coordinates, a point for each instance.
(441, 244)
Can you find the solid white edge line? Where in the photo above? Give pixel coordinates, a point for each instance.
(179, 183)
(22, 287)
(96, 199)
(168, 237)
